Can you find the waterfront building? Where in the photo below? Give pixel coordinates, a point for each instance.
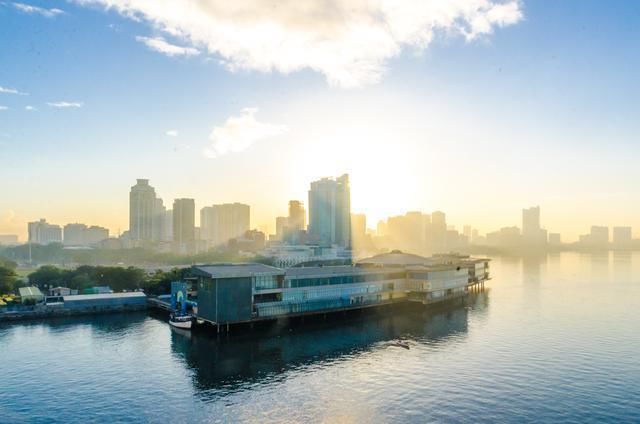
(104, 302)
(330, 211)
(30, 294)
(235, 293)
(221, 223)
(41, 232)
(289, 255)
(184, 216)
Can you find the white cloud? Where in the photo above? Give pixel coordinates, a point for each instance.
(159, 44)
(3, 108)
(348, 41)
(48, 13)
(30, 108)
(7, 90)
(66, 104)
(240, 132)
(172, 133)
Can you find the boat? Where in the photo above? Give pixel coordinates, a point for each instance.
(401, 344)
(180, 321)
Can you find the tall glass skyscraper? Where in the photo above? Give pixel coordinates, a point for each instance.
(142, 207)
(330, 211)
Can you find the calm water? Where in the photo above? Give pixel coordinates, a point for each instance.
(554, 338)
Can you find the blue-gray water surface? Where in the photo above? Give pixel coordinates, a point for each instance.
(552, 338)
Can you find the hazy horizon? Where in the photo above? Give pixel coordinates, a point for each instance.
(506, 105)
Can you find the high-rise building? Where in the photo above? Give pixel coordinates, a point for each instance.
(158, 220)
(622, 236)
(282, 225)
(142, 209)
(532, 233)
(41, 232)
(167, 226)
(297, 217)
(74, 234)
(95, 234)
(599, 236)
(437, 239)
(330, 211)
(358, 230)
(221, 223)
(208, 224)
(184, 220)
(81, 235)
(531, 223)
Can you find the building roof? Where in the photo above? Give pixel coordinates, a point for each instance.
(328, 271)
(397, 258)
(83, 297)
(29, 291)
(236, 270)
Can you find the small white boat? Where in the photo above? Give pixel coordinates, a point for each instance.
(183, 321)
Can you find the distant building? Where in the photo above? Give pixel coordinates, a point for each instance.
(599, 236)
(251, 241)
(221, 223)
(622, 236)
(358, 227)
(74, 234)
(555, 239)
(142, 210)
(95, 234)
(81, 235)
(30, 294)
(158, 221)
(184, 216)
(167, 231)
(286, 256)
(532, 233)
(41, 232)
(296, 220)
(438, 232)
(8, 239)
(330, 211)
(282, 224)
(508, 237)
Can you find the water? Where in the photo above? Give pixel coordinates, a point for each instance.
(553, 338)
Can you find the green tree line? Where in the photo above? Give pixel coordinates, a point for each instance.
(118, 278)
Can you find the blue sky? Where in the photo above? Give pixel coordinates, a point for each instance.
(539, 111)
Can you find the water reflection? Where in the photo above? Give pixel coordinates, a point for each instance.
(237, 361)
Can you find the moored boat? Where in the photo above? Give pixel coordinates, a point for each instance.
(181, 321)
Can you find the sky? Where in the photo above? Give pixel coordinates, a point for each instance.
(478, 108)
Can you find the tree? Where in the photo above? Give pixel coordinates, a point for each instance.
(48, 275)
(8, 279)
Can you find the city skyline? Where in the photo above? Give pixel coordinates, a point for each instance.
(151, 221)
(547, 119)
